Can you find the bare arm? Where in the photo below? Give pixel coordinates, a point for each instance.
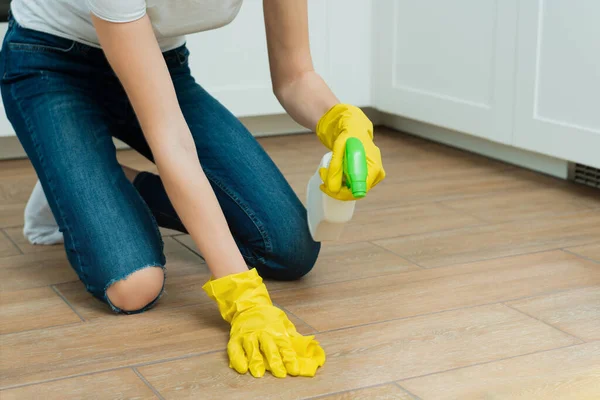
(133, 52)
(299, 89)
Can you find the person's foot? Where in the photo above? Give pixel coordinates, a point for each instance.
(40, 225)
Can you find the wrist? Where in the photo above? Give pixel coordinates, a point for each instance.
(306, 98)
(236, 293)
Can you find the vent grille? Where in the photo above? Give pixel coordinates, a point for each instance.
(585, 175)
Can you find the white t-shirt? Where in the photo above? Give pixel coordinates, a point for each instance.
(171, 19)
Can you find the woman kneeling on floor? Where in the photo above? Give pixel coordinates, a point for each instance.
(77, 73)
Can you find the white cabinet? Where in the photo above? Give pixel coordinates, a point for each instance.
(557, 103)
(448, 63)
(232, 62)
(522, 73)
(525, 73)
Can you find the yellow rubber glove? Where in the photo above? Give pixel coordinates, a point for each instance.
(261, 337)
(341, 122)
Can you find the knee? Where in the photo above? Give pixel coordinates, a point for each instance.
(296, 258)
(303, 263)
(137, 290)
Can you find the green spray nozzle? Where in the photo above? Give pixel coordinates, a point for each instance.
(355, 167)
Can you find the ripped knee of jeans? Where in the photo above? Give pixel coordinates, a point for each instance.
(136, 292)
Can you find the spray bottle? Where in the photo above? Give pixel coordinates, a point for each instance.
(326, 215)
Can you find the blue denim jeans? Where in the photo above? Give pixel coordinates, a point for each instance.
(66, 104)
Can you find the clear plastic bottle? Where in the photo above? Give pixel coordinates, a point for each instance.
(327, 216)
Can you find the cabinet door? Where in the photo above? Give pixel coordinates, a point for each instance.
(558, 79)
(448, 63)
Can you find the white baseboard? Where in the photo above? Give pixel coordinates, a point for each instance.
(282, 124)
(267, 125)
(538, 162)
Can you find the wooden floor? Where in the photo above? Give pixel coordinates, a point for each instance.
(459, 278)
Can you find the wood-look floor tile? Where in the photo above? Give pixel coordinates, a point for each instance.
(402, 221)
(35, 270)
(165, 232)
(342, 262)
(16, 234)
(281, 143)
(121, 384)
(11, 214)
(439, 164)
(401, 146)
(528, 204)
(575, 311)
(7, 247)
(33, 309)
(106, 343)
(428, 291)
(16, 189)
(16, 168)
(187, 241)
(302, 327)
(571, 373)
(455, 186)
(370, 355)
(385, 392)
(135, 160)
(181, 260)
(591, 251)
(186, 273)
(485, 242)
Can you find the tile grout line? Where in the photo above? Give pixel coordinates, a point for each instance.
(144, 364)
(12, 241)
(584, 209)
(501, 302)
(489, 362)
(397, 255)
(143, 379)
(492, 258)
(320, 396)
(11, 226)
(70, 324)
(187, 247)
(294, 315)
(407, 235)
(478, 196)
(579, 255)
(496, 258)
(480, 225)
(398, 384)
(409, 271)
(544, 322)
(411, 394)
(59, 294)
(461, 212)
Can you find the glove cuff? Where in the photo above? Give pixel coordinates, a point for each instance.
(338, 119)
(236, 293)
